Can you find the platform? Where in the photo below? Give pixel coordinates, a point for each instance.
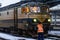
(11, 37)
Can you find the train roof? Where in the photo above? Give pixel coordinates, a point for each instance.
(15, 5)
(12, 5)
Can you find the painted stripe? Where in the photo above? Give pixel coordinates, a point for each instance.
(12, 20)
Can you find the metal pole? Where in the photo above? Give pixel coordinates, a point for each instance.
(55, 19)
(15, 19)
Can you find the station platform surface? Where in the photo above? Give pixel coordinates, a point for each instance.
(11, 37)
(54, 32)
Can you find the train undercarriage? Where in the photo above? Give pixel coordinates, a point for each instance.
(29, 31)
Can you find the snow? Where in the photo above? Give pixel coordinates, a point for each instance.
(54, 33)
(10, 37)
(57, 7)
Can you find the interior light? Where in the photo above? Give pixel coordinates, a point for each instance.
(25, 10)
(35, 9)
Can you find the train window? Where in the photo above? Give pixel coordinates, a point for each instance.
(0, 14)
(7, 13)
(25, 9)
(44, 9)
(35, 9)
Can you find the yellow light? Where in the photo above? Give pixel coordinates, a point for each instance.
(35, 20)
(25, 10)
(49, 20)
(34, 9)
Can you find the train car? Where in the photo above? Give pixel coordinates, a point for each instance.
(25, 16)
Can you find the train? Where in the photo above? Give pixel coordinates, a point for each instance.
(25, 16)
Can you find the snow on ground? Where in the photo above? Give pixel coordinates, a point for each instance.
(10, 37)
(54, 33)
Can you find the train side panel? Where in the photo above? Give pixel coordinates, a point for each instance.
(7, 18)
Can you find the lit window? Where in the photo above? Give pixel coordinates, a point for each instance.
(25, 10)
(35, 9)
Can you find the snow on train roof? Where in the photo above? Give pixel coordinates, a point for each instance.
(12, 5)
(21, 2)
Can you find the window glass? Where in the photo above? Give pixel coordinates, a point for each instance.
(7, 13)
(0, 14)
